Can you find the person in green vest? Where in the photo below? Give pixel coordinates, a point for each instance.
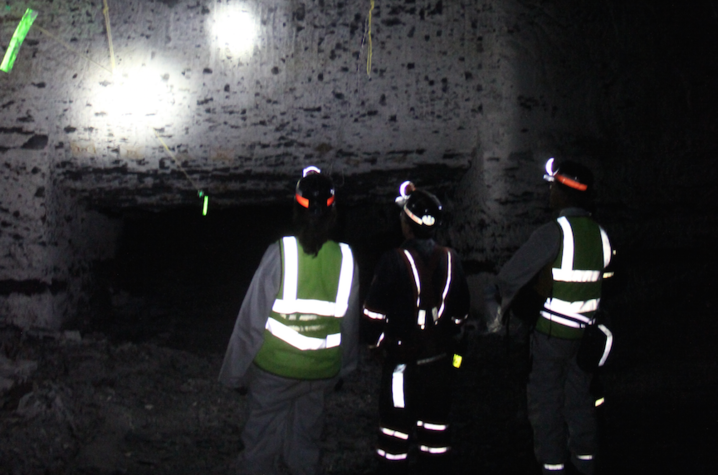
(556, 277)
(295, 336)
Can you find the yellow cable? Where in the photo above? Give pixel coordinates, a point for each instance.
(368, 59)
(106, 12)
(172, 156)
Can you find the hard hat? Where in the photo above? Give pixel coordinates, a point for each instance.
(315, 191)
(570, 174)
(420, 206)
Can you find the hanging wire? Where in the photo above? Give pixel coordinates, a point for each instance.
(106, 12)
(173, 157)
(368, 58)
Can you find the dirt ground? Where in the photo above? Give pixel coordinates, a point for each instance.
(137, 391)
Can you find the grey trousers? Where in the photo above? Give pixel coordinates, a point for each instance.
(286, 418)
(560, 406)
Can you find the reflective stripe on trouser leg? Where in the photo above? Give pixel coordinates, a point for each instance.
(434, 438)
(395, 426)
(553, 468)
(584, 463)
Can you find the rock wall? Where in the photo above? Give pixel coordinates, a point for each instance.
(49, 244)
(467, 98)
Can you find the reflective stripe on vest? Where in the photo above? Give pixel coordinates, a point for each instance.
(289, 303)
(421, 319)
(578, 313)
(300, 341)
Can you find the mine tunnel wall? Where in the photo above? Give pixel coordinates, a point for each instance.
(468, 98)
(50, 244)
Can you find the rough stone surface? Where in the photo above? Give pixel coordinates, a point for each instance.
(466, 98)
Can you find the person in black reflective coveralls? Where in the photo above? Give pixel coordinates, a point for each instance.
(414, 312)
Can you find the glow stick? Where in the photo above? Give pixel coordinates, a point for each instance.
(17, 39)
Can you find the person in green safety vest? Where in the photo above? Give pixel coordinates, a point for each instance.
(556, 277)
(295, 336)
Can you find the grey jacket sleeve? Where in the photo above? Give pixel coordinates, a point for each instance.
(350, 328)
(541, 249)
(248, 334)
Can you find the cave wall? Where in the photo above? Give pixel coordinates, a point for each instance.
(49, 244)
(467, 98)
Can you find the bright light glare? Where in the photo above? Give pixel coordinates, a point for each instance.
(234, 28)
(140, 91)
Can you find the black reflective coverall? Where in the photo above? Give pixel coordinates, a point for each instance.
(415, 309)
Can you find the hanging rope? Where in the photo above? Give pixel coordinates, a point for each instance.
(173, 157)
(106, 12)
(368, 58)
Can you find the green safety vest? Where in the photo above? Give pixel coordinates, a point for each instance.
(302, 335)
(577, 275)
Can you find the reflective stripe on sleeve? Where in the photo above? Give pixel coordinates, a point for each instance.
(297, 340)
(584, 457)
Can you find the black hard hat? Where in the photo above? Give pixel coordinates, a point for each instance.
(421, 207)
(315, 191)
(570, 174)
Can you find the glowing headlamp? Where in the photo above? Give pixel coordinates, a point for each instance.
(405, 190)
(549, 176)
(309, 170)
(553, 175)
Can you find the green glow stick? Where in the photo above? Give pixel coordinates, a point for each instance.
(17, 39)
(206, 204)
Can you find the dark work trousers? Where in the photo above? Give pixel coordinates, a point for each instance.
(560, 406)
(414, 405)
(286, 418)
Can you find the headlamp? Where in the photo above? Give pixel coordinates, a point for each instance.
(309, 170)
(405, 190)
(549, 176)
(552, 175)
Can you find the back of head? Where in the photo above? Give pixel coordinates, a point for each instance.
(573, 180)
(422, 210)
(314, 209)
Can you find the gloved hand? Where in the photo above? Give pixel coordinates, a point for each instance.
(492, 309)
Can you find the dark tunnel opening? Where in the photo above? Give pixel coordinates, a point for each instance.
(179, 278)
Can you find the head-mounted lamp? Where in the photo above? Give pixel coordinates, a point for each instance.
(554, 175)
(405, 190)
